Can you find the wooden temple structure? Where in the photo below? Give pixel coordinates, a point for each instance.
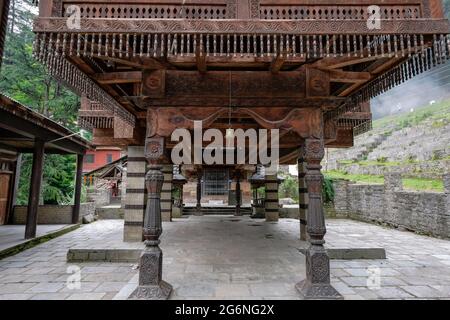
(307, 68)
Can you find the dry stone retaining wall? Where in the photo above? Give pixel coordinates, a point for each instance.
(422, 212)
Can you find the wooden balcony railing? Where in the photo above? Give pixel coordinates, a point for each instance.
(235, 9)
(149, 11)
(345, 12)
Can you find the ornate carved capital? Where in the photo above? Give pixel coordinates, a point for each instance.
(154, 149)
(314, 150)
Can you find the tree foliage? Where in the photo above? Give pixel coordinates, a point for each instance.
(26, 80)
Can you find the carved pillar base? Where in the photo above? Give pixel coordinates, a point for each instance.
(317, 285)
(151, 285)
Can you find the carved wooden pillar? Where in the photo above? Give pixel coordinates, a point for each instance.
(166, 195)
(317, 283)
(199, 192)
(151, 286)
(238, 194)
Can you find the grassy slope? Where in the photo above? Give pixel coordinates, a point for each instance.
(439, 113)
(408, 183)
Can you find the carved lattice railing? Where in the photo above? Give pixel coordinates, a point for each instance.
(339, 12)
(94, 115)
(254, 9)
(149, 11)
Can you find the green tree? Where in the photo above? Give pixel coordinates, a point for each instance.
(289, 188)
(26, 80)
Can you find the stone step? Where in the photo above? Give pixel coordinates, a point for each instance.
(109, 213)
(217, 211)
(132, 255)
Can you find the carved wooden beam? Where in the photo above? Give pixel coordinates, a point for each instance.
(300, 27)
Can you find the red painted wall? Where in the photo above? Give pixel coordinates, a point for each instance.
(100, 158)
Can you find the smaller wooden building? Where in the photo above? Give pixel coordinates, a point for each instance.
(24, 131)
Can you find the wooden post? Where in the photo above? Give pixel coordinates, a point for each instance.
(35, 189)
(77, 198)
(199, 192)
(238, 195)
(4, 9)
(15, 188)
(45, 8)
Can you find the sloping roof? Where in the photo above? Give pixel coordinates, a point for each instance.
(107, 167)
(22, 125)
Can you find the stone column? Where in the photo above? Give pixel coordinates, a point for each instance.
(124, 188)
(317, 283)
(135, 199)
(238, 195)
(271, 202)
(302, 197)
(151, 286)
(166, 194)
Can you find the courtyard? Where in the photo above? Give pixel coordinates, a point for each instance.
(226, 257)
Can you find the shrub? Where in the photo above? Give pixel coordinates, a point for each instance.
(327, 190)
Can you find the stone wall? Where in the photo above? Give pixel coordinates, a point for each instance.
(53, 214)
(101, 197)
(422, 212)
(424, 169)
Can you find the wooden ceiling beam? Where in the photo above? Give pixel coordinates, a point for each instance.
(341, 62)
(348, 76)
(118, 77)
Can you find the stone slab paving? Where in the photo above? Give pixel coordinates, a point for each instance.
(13, 235)
(221, 257)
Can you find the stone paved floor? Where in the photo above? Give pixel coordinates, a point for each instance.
(13, 235)
(234, 258)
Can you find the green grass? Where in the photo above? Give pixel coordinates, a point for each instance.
(423, 184)
(437, 111)
(370, 163)
(364, 178)
(417, 184)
